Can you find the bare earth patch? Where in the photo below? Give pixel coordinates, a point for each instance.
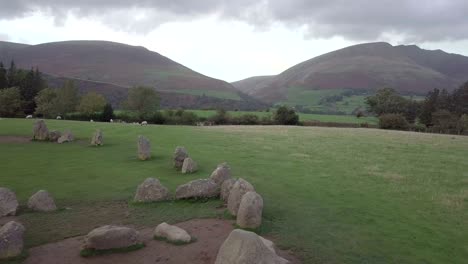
(14, 139)
(210, 234)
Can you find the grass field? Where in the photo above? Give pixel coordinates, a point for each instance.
(302, 117)
(332, 195)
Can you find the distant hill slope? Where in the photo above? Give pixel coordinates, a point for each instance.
(111, 62)
(408, 69)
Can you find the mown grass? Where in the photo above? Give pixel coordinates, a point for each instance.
(332, 195)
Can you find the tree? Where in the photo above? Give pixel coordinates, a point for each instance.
(12, 76)
(221, 117)
(286, 116)
(460, 100)
(428, 107)
(91, 103)
(28, 92)
(3, 77)
(67, 98)
(143, 100)
(386, 101)
(46, 103)
(107, 113)
(10, 102)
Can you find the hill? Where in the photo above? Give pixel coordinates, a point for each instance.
(361, 68)
(117, 64)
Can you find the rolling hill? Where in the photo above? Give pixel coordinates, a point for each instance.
(365, 67)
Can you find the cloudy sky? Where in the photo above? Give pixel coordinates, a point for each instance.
(235, 39)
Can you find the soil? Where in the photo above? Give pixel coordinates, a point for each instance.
(14, 139)
(209, 234)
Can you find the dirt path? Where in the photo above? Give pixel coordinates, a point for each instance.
(14, 139)
(210, 234)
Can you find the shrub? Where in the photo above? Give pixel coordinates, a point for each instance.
(393, 121)
(286, 116)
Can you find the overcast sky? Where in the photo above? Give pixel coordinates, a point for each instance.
(236, 39)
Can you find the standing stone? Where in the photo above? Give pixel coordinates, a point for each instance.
(240, 188)
(40, 131)
(8, 202)
(108, 237)
(67, 136)
(202, 188)
(189, 166)
(97, 139)
(172, 233)
(221, 173)
(42, 201)
(243, 247)
(54, 135)
(180, 154)
(250, 211)
(151, 190)
(226, 188)
(11, 240)
(144, 148)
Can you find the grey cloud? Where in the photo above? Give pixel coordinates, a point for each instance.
(4, 37)
(415, 20)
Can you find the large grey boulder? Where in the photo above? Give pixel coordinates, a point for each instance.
(238, 190)
(250, 211)
(243, 247)
(109, 237)
(226, 188)
(202, 188)
(40, 131)
(11, 240)
(67, 136)
(97, 139)
(189, 166)
(42, 201)
(54, 135)
(151, 190)
(8, 202)
(180, 154)
(221, 173)
(144, 148)
(172, 233)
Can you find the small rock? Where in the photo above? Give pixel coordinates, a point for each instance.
(172, 233)
(189, 166)
(151, 190)
(8, 202)
(11, 240)
(180, 154)
(243, 247)
(97, 139)
(42, 201)
(226, 188)
(67, 136)
(221, 173)
(238, 190)
(108, 237)
(54, 135)
(250, 211)
(40, 131)
(202, 188)
(144, 148)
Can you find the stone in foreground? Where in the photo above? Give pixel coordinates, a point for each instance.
(226, 188)
(172, 233)
(11, 240)
(144, 148)
(180, 154)
(221, 173)
(151, 190)
(111, 237)
(54, 135)
(66, 137)
(40, 131)
(250, 211)
(42, 201)
(97, 139)
(240, 188)
(189, 166)
(202, 188)
(8, 202)
(243, 247)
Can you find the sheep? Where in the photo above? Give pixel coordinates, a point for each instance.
(144, 123)
(91, 120)
(59, 117)
(112, 120)
(29, 116)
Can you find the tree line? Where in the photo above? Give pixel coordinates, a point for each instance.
(441, 111)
